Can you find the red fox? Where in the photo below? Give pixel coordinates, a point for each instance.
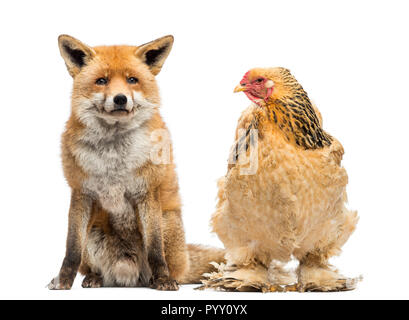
(125, 226)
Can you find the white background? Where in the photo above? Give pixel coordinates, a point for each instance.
(350, 56)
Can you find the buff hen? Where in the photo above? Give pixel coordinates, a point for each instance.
(284, 194)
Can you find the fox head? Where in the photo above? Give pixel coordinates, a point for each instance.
(114, 84)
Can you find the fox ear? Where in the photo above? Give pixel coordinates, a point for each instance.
(75, 53)
(154, 53)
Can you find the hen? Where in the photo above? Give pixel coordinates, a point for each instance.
(284, 194)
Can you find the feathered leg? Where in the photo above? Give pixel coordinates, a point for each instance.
(315, 273)
(246, 272)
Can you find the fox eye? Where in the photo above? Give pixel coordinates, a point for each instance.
(101, 81)
(132, 80)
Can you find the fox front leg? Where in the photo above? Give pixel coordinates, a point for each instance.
(79, 215)
(150, 213)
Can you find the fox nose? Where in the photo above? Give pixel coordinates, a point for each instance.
(120, 99)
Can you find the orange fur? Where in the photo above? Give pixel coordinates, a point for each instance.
(125, 225)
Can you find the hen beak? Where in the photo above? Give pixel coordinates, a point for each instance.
(239, 88)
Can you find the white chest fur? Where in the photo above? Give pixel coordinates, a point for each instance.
(110, 158)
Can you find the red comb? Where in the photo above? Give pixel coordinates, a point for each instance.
(246, 77)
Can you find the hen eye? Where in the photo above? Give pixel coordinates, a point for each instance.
(260, 80)
(101, 81)
(132, 80)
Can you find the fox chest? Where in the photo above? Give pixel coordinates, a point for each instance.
(111, 166)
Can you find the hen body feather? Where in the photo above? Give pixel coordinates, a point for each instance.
(294, 204)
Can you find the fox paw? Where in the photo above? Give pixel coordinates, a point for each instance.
(164, 284)
(92, 280)
(60, 284)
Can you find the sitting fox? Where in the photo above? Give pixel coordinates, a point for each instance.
(125, 226)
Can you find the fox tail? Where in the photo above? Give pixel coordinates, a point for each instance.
(200, 257)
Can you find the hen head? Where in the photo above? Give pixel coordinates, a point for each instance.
(260, 84)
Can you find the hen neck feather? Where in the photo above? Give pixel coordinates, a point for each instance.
(294, 115)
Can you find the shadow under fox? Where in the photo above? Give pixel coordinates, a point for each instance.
(125, 226)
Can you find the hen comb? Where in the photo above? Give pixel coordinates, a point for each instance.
(245, 78)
